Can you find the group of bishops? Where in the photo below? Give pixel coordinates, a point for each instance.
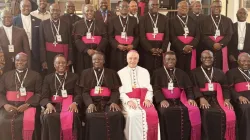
(112, 77)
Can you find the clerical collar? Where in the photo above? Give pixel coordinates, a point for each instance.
(244, 22)
(243, 70)
(133, 15)
(196, 14)
(21, 71)
(124, 16)
(132, 68)
(208, 69)
(55, 20)
(25, 16)
(216, 16)
(61, 74)
(8, 27)
(98, 69)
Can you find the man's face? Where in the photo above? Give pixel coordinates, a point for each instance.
(70, 8)
(98, 60)
(183, 8)
(197, 7)
(42, 4)
(216, 8)
(7, 19)
(89, 12)
(26, 8)
(60, 64)
(207, 59)
(170, 61)
(21, 62)
(132, 59)
(153, 6)
(244, 62)
(123, 7)
(242, 15)
(133, 9)
(104, 5)
(55, 11)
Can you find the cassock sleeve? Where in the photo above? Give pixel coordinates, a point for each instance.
(42, 42)
(136, 35)
(111, 34)
(229, 32)
(197, 37)
(143, 40)
(3, 99)
(175, 41)
(84, 83)
(77, 94)
(149, 95)
(166, 35)
(225, 87)
(156, 87)
(46, 92)
(231, 83)
(206, 32)
(69, 35)
(122, 89)
(26, 46)
(196, 88)
(115, 89)
(104, 42)
(34, 100)
(80, 45)
(188, 86)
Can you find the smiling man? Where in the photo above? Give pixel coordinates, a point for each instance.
(103, 13)
(100, 92)
(20, 92)
(136, 94)
(174, 97)
(239, 42)
(239, 82)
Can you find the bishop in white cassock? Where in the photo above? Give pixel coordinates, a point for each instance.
(136, 94)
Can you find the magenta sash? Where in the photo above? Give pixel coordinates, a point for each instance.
(230, 115)
(158, 37)
(239, 87)
(59, 48)
(142, 6)
(224, 53)
(151, 113)
(187, 40)
(93, 40)
(127, 41)
(29, 114)
(194, 112)
(66, 117)
(104, 92)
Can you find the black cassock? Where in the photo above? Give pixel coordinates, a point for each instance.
(11, 124)
(46, 36)
(214, 118)
(233, 45)
(98, 28)
(208, 29)
(51, 123)
(177, 30)
(149, 61)
(242, 111)
(118, 58)
(102, 124)
(170, 118)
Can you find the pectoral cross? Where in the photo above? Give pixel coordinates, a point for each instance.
(55, 43)
(93, 39)
(185, 35)
(154, 35)
(126, 38)
(55, 96)
(100, 90)
(17, 96)
(248, 86)
(172, 91)
(215, 36)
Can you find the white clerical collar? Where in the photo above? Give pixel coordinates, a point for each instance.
(20, 71)
(24, 16)
(133, 15)
(196, 14)
(241, 23)
(132, 68)
(7, 28)
(124, 16)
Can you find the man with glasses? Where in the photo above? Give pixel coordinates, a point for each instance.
(217, 31)
(123, 33)
(13, 40)
(211, 91)
(55, 38)
(154, 37)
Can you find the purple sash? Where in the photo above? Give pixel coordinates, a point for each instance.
(194, 112)
(29, 114)
(59, 48)
(242, 86)
(187, 40)
(128, 41)
(104, 92)
(93, 40)
(151, 113)
(142, 6)
(230, 115)
(224, 53)
(66, 117)
(158, 37)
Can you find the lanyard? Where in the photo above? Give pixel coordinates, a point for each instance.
(155, 23)
(88, 27)
(217, 26)
(99, 80)
(21, 82)
(211, 76)
(184, 23)
(57, 28)
(244, 75)
(123, 26)
(62, 83)
(171, 80)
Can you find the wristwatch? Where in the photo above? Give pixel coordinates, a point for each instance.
(75, 103)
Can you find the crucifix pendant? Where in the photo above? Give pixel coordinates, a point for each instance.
(154, 35)
(17, 96)
(248, 86)
(100, 90)
(185, 35)
(215, 37)
(55, 43)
